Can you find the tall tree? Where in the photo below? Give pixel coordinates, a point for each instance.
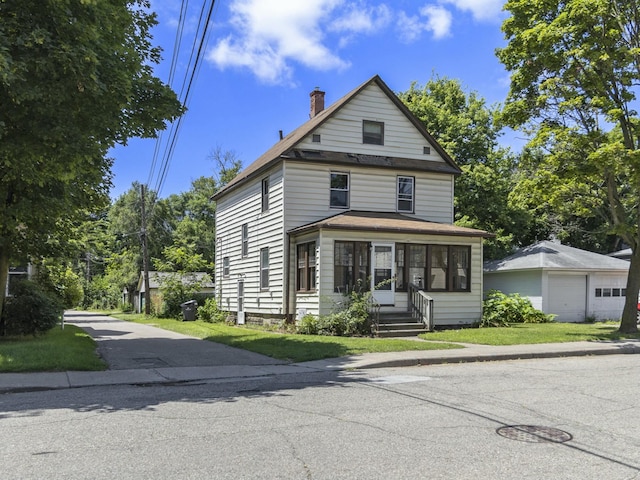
(124, 225)
(76, 78)
(468, 130)
(575, 70)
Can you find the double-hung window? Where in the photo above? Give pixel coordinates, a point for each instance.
(225, 267)
(306, 280)
(264, 268)
(245, 239)
(339, 190)
(405, 200)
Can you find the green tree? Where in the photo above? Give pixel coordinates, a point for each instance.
(125, 225)
(468, 130)
(575, 70)
(76, 78)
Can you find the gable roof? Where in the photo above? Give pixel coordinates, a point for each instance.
(387, 222)
(156, 279)
(554, 256)
(285, 147)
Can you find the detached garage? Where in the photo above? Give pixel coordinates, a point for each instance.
(571, 283)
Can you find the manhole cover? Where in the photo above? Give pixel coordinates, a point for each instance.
(534, 434)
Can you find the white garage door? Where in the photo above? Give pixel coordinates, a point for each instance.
(568, 297)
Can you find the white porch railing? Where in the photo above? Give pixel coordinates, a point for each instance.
(421, 306)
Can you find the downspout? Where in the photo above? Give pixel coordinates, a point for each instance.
(286, 279)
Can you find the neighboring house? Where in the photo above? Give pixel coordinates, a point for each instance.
(16, 274)
(155, 284)
(624, 254)
(571, 283)
(359, 194)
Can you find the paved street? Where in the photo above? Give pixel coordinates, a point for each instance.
(577, 419)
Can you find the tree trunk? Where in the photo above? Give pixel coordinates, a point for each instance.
(628, 324)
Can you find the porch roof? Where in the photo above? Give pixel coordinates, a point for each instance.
(387, 222)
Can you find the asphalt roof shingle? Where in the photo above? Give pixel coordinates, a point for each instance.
(550, 255)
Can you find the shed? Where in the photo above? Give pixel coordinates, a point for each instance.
(569, 282)
(155, 283)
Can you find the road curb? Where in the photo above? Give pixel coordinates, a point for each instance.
(494, 357)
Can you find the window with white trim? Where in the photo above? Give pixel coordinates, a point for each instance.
(225, 267)
(264, 268)
(245, 239)
(339, 190)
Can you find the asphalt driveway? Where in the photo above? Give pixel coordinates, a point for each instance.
(127, 345)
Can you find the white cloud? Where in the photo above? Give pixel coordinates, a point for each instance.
(438, 20)
(483, 10)
(360, 18)
(270, 36)
(432, 18)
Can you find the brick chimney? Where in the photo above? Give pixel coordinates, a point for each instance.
(317, 102)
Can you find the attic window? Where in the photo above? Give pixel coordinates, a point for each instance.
(372, 132)
(315, 138)
(426, 150)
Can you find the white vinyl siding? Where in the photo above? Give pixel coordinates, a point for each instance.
(244, 205)
(371, 189)
(343, 132)
(450, 308)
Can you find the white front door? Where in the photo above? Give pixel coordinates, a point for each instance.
(382, 273)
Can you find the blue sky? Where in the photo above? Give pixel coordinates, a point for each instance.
(264, 57)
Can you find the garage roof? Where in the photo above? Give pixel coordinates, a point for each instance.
(551, 255)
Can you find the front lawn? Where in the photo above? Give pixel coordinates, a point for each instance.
(57, 350)
(526, 333)
(291, 347)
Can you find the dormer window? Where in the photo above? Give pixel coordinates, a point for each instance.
(372, 132)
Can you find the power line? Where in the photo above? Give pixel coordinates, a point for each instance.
(191, 73)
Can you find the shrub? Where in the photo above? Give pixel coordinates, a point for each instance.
(501, 310)
(209, 311)
(30, 311)
(307, 325)
(351, 318)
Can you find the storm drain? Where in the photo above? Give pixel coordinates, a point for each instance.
(534, 434)
(149, 362)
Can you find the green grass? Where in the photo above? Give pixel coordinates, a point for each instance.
(518, 334)
(56, 351)
(291, 347)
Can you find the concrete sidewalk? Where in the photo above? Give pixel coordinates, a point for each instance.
(141, 354)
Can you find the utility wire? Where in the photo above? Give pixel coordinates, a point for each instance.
(191, 74)
(172, 69)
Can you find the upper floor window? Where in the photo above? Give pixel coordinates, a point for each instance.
(264, 268)
(245, 239)
(265, 194)
(339, 195)
(225, 267)
(372, 132)
(405, 194)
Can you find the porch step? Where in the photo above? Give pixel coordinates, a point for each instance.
(398, 324)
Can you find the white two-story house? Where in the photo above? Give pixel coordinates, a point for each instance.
(359, 195)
